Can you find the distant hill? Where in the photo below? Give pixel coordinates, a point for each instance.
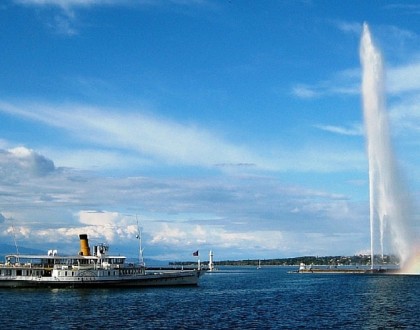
(10, 249)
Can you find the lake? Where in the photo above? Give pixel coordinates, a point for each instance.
(230, 298)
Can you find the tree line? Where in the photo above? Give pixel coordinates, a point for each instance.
(307, 260)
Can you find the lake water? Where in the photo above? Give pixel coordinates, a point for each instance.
(231, 298)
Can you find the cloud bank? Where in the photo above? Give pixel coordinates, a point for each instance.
(178, 214)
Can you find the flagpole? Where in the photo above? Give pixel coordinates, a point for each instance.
(196, 254)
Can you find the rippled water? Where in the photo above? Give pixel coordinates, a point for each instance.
(232, 298)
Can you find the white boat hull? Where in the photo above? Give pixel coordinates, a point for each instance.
(184, 278)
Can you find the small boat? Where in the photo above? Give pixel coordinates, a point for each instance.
(86, 270)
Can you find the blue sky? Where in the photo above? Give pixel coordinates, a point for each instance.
(231, 125)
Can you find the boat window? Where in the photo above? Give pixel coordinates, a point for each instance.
(84, 261)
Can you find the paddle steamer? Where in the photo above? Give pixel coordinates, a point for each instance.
(98, 269)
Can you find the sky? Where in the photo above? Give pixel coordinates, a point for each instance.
(224, 125)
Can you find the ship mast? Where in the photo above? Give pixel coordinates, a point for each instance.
(139, 237)
(14, 240)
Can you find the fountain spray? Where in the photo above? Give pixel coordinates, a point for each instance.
(388, 209)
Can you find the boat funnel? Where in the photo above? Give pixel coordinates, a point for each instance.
(84, 245)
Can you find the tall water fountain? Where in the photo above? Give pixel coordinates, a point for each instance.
(389, 209)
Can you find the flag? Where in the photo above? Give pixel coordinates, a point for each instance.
(195, 254)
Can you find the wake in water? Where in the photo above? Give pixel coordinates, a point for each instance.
(389, 209)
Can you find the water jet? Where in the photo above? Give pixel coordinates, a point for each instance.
(389, 210)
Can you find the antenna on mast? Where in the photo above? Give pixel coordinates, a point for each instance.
(139, 237)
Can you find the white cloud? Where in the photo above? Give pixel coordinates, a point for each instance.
(95, 218)
(353, 130)
(178, 214)
(400, 79)
(349, 27)
(65, 20)
(170, 235)
(34, 162)
(161, 139)
(217, 236)
(405, 116)
(345, 82)
(127, 139)
(76, 3)
(404, 79)
(20, 162)
(96, 159)
(22, 231)
(397, 36)
(262, 243)
(88, 3)
(408, 8)
(305, 92)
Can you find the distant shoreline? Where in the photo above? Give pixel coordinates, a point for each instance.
(359, 260)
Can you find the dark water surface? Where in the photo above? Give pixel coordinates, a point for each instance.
(232, 298)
